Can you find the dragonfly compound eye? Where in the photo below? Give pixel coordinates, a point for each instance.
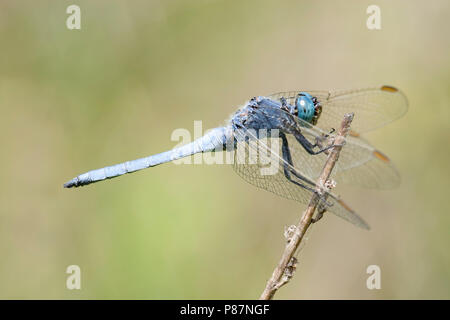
(305, 105)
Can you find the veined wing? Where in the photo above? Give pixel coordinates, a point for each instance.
(359, 162)
(379, 172)
(268, 172)
(373, 107)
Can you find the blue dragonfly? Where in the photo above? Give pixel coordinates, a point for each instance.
(295, 131)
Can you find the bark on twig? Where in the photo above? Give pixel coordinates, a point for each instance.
(286, 267)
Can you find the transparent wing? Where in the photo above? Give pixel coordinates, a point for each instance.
(373, 107)
(377, 173)
(359, 162)
(260, 162)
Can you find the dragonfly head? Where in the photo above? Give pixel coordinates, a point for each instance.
(307, 107)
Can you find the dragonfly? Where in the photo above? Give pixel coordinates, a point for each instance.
(294, 131)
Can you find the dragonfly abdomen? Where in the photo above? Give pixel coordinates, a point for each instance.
(213, 140)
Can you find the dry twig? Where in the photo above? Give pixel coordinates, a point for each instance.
(288, 262)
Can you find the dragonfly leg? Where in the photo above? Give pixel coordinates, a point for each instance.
(331, 132)
(308, 146)
(288, 170)
(317, 217)
(288, 162)
(284, 104)
(320, 140)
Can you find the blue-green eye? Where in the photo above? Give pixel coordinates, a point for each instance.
(305, 106)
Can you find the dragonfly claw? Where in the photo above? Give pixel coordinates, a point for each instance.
(318, 217)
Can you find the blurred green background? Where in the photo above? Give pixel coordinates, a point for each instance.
(75, 100)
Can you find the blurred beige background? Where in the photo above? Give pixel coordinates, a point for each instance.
(71, 101)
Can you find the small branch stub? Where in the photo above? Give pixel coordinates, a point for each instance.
(288, 263)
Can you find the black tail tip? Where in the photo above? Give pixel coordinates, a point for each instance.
(71, 183)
